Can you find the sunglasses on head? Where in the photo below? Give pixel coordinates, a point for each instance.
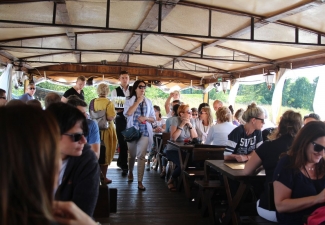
(318, 147)
(32, 88)
(142, 87)
(262, 120)
(75, 137)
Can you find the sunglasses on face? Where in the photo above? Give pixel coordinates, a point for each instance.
(3, 98)
(32, 88)
(202, 112)
(194, 114)
(75, 137)
(262, 120)
(318, 147)
(142, 87)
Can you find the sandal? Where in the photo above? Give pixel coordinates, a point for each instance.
(141, 188)
(170, 185)
(163, 174)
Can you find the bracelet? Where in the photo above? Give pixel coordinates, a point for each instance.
(179, 128)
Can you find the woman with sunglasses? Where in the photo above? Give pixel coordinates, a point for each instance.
(180, 129)
(299, 181)
(139, 113)
(204, 123)
(29, 167)
(267, 155)
(244, 139)
(79, 174)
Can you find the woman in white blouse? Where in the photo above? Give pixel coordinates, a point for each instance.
(218, 134)
(204, 123)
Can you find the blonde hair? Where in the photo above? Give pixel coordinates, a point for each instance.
(102, 90)
(208, 111)
(224, 114)
(82, 78)
(252, 111)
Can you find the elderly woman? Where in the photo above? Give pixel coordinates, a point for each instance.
(268, 154)
(204, 123)
(180, 129)
(299, 181)
(244, 139)
(27, 188)
(107, 136)
(218, 134)
(140, 114)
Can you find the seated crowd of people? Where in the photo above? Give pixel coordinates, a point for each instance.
(59, 162)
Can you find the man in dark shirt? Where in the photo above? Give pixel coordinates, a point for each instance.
(123, 90)
(75, 90)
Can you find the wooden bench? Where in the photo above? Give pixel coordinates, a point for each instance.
(200, 153)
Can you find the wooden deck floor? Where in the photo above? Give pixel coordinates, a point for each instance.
(156, 205)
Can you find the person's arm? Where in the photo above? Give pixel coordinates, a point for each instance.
(167, 103)
(175, 129)
(131, 109)
(63, 99)
(285, 204)
(96, 148)
(253, 163)
(110, 112)
(193, 132)
(69, 213)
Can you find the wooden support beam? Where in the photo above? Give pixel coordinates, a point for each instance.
(149, 23)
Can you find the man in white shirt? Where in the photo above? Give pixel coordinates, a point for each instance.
(124, 91)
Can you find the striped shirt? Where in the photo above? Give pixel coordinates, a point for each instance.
(240, 143)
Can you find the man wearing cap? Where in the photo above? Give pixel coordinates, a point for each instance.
(311, 117)
(29, 94)
(123, 91)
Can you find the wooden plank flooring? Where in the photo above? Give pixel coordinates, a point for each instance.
(156, 205)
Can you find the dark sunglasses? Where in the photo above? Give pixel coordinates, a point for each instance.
(142, 87)
(32, 88)
(318, 147)
(75, 137)
(202, 112)
(194, 114)
(259, 119)
(3, 98)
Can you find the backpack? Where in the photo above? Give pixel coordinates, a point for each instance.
(98, 116)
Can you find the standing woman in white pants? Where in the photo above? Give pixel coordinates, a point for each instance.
(139, 113)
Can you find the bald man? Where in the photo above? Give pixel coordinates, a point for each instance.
(217, 104)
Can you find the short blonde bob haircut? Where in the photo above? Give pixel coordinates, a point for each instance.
(102, 90)
(224, 114)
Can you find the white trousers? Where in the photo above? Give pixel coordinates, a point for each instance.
(138, 149)
(266, 214)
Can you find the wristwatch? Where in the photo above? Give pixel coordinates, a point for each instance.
(179, 128)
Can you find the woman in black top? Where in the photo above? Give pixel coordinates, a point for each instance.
(268, 154)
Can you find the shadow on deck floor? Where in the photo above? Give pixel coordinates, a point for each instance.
(156, 205)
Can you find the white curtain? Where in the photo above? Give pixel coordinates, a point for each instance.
(6, 81)
(277, 94)
(319, 105)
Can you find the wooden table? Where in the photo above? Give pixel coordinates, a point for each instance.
(187, 149)
(234, 174)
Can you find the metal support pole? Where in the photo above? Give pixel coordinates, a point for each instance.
(54, 13)
(141, 39)
(252, 28)
(108, 7)
(159, 17)
(210, 24)
(297, 35)
(202, 50)
(75, 41)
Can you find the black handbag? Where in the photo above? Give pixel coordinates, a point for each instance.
(131, 134)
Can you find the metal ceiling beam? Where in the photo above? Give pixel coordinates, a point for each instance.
(60, 6)
(133, 53)
(149, 23)
(259, 22)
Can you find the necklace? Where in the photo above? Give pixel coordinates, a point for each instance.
(309, 168)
